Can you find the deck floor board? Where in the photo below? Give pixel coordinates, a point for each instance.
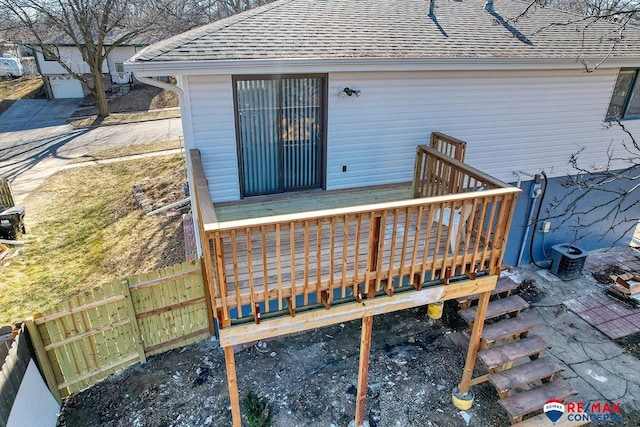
(288, 203)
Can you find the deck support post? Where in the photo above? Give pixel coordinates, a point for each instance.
(417, 169)
(209, 287)
(363, 370)
(474, 343)
(232, 382)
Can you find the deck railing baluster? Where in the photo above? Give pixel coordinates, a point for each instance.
(319, 261)
(279, 266)
(265, 271)
(382, 225)
(292, 251)
(332, 255)
(306, 262)
(356, 265)
(345, 247)
(236, 273)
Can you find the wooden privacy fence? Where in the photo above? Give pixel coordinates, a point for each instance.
(13, 370)
(99, 332)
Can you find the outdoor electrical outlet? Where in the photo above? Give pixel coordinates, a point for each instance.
(546, 226)
(344, 168)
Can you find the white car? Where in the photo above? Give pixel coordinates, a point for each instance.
(10, 66)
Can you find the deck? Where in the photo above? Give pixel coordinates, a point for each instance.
(307, 260)
(284, 252)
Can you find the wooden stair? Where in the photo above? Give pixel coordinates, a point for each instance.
(495, 357)
(542, 369)
(512, 328)
(511, 305)
(527, 386)
(543, 421)
(503, 288)
(533, 400)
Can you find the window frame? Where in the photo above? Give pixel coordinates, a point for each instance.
(634, 89)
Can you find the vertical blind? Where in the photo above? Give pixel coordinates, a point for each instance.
(280, 125)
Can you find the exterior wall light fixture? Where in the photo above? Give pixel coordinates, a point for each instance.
(349, 92)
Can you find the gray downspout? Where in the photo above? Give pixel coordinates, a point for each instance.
(488, 6)
(526, 232)
(534, 193)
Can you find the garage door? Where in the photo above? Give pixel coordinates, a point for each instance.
(66, 87)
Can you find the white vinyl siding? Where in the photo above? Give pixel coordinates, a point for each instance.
(117, 56)
(214, 134)
(512, 120)
(72, 57)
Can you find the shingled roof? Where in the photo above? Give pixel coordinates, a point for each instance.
(334, 29)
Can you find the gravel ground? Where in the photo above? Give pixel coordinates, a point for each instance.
(309, 379)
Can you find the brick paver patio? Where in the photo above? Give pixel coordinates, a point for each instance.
(613, 318)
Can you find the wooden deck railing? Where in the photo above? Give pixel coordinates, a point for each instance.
(448, 145)
(205, 214)
(438, 174)
(290, 261)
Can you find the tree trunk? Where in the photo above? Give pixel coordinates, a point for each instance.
(98, 92)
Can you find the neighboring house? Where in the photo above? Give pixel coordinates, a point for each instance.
(60, 84)
(520, 97)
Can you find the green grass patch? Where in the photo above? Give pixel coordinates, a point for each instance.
(85, 228)
(257, 409)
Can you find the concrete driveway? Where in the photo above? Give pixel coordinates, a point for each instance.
(36, 141)
(35, 113)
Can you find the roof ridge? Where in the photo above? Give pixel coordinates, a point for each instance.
(196, 33)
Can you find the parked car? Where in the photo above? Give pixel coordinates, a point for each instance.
(10, 66)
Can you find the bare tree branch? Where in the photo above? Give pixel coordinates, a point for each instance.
(589, 13)
(600, 194)
(97, 27)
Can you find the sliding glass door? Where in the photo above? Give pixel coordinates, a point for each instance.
(280, 131)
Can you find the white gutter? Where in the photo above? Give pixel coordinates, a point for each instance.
(158, 83)
(324, 65)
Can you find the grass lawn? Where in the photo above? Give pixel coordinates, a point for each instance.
(85, 228)
(141, 103)
(121, 118)
(23, 87)
(130, 150)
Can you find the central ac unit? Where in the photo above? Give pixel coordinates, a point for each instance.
(567, 261)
